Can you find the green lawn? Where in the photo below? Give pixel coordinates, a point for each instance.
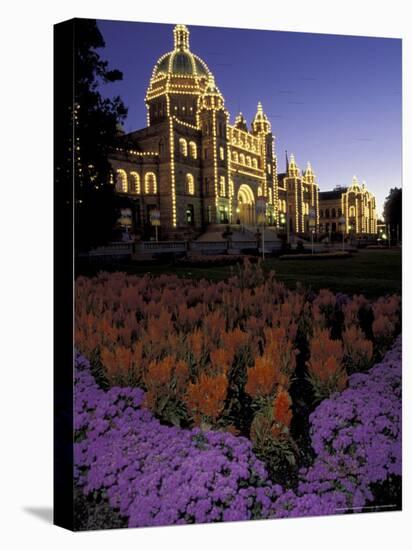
(369, 272)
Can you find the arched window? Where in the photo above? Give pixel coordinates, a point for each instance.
(121, 181)
(150, 183)
(352, 211)
(248, 161)
(222, 186)
(193, 149)
(333, 213)
(307, 208)
(242, 158)
(254, 163)
(259, 191)
(327, 213)
(320, 213)
(134, 183)
(339, 212)
(190, 184)
(284, 207)
(221, 153)
(183, 147)
(235, 156)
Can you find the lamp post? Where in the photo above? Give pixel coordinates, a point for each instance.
(261, 218)
(342, 221)
(312, 224)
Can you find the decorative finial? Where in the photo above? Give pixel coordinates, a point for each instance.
(181, 37)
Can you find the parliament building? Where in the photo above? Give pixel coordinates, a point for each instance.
(190, 168)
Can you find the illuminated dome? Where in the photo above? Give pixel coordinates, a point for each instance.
(181, 61)
(179, 80)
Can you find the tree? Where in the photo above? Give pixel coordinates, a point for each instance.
(392, 212)
(95, 121)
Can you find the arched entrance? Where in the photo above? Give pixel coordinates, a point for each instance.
(245, 211)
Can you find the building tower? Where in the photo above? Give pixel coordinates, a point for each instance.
(313, 190)
(262, 129)
(213, 119)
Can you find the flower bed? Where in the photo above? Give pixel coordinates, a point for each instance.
(157, 475)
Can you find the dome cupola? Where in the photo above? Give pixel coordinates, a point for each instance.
(179, 81)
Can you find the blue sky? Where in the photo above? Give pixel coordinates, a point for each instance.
(333, 100)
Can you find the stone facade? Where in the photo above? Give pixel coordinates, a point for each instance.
(350, 209)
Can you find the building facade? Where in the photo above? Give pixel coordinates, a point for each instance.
(194, 168)
(348, 209)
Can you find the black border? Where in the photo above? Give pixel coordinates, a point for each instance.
(63, 514)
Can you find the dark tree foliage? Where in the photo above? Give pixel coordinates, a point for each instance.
(392, 212)
(96, 121)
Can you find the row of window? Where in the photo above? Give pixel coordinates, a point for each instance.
(187, 149)
(132, 183)
(240, 142)
(332, 213)
(245, 160)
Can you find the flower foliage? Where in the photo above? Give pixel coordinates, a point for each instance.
(157, 475)
(176, 338)
(356, 436)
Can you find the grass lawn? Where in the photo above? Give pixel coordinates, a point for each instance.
(369, 272)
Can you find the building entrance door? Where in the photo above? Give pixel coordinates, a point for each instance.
(245, 211)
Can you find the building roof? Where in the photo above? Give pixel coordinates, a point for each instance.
(181, 61)
(331, 195)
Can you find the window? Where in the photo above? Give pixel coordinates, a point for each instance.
(193, 149)
(231, 188)
(134, 183)
(333, 213)
(222, 186)
(270, 195)
(320, 213)
(269, 169)
(248, 161)
(235, 157)
(352, 211)
(254, 163)
(121, 181)
(205, 154)
(183, 147)
(221, 153)
(242, 158)
(327, 213)
(150, 183)
(259, 191)
(161, 147)
(190, 184)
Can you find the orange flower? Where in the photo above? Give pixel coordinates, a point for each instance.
(325, 366)
(261, 378)
(282, 413)
(206, 397)
(357, 349)
(221, 360)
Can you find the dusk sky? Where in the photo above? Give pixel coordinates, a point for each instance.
(333, 100)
